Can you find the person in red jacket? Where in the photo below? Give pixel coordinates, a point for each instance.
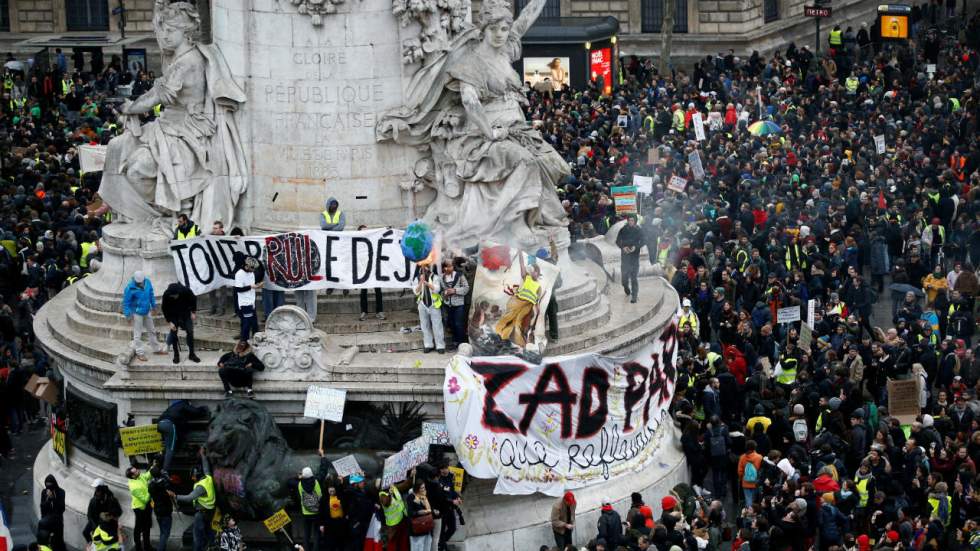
(735, 361)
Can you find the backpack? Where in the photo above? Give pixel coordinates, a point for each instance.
(717, 444)
(800, 430)
(311, 501)
(751, 473)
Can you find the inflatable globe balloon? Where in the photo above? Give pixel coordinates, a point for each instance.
(417, 241)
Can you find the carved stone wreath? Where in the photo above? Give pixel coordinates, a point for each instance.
(316, 9)
(289, 343)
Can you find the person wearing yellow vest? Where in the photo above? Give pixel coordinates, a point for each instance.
(309, 497)
(864, 484)
(836, 37)
(688, 323)
(332, 218)
(186, 228)
(204, 499)
(851, 83)
(428, 296)
(517, 323)
(106, 535)
(139, 493)
(395, 516)
(89, 248)
(66, 86)
(677, 124)
(786, 368)
(940, 504)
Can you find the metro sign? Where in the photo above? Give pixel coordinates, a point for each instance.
(816, 11)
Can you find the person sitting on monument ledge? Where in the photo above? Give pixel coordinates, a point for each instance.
(237, 369)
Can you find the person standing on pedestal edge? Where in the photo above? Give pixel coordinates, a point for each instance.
(454, 291)
(180, 311)
(203, 498)
(245, 286)
(139, 305)
(309, 496)
(221, 296)
(186, 228)
(378, 304)
(428, 295)
(563, 519)
(629, 241)
(331, 219)
(139, 492)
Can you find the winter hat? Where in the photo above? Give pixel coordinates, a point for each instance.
(927, 420)
(668, 503)
(798, 409)
(569, 498)
(834, 403)
(892, 536)
(138, 277)
(828, 497)
(356, 478)
(863, 542)
(800, 504)
(307, 473)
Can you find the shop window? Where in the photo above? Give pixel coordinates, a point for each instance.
(551, 11)
(87, 15)
(771, 10)
(652, 16)
(4, 15)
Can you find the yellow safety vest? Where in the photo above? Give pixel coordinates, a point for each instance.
(103, 540)
(191, 233)
(529, 290)
(43, 548)
(207, 500)
(395, 511)
(689, 320)
(316, 491)
(66, 87)
(956, 104)
(679, 120)
(852, 84)
(157, 109)
(934, 509)
(436, 299)
(788, 376)
(836, 38)
(332, 219)
(88, 247)
(139, 491)
(862, 488)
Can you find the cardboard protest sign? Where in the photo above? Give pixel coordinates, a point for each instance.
(643, 184)
(903, 400)
(653, 155)
(436, 432)
(806, 337)
(457, 478)
(788, 314)
(141, 440)
(396, 469)
(676, 183)
(325, 403)
(346, 466)
(624, 199)
(694, 159)
(277, 521)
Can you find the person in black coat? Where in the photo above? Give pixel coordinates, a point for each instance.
(180, 311)
(610, 525)
(52, 512)
(103, 502)
(359, 508)
(174, 422)
(237, 368)
(630, 240)
(163, 505)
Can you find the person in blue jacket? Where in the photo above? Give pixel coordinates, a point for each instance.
(139, 305)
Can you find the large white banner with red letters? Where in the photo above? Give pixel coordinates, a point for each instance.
(297, 260)
(567, 423)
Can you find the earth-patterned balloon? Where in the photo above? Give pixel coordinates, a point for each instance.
(417, 241)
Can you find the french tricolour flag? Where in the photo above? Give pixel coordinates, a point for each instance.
(6, 542)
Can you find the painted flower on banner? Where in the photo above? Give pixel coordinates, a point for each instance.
(454, 385)
(472, 442)
(550, 423)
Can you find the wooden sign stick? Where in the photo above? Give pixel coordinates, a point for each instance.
(322, 423)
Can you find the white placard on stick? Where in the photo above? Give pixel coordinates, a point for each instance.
(788, 314)
(644, 184)
(346, 466)
(811, 307)
(676, 183)
(880, 144)
(694, 159)
(698, 124)
(325, 403)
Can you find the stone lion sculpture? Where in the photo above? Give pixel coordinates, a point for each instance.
(250, 460)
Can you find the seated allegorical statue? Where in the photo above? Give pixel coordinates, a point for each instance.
(494, 175)
(189, 159)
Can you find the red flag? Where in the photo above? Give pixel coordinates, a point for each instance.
(882, 204)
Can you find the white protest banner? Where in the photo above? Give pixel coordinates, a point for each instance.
(325, 403)
(698, 123)
(811, 307)
(644, 184)
(880, 144)
(676, 183)
(788, 314)
(346, 466)
(395, 469)
(694, 159)
(436, 432)
(566, 423)
(297, 260)
(91, 158)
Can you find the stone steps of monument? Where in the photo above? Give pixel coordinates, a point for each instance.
(292, 393)
(329, 323)
(204, 339)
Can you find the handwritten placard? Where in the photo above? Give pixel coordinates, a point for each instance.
(417, 451)
(643, 184)
(676, 183)
(395, 469)
(346, 466)
(325, 403)
(277, 521)
(788, 314)
(457, 478)
(694, 159)
(880, 144)
(903, 400)
(436, 432)
(698, 123)
(140, 440)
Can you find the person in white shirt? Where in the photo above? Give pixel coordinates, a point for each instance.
(245, 286)
(428, 289)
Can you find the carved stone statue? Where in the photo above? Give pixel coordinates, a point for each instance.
(290, 343)
(190, 158)
(494, 176)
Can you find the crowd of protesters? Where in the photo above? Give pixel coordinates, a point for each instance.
(791, 422)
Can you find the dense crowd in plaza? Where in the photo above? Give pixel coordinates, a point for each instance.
(791, 423)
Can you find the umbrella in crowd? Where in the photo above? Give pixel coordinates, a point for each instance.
(764, 128)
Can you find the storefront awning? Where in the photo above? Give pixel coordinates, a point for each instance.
(571, 30)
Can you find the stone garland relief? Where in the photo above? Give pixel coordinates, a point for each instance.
(289, 344)
(439, 21)
(316, 9)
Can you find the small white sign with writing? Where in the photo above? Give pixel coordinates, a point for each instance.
(325, 403)
(880, 143)
(788, 314)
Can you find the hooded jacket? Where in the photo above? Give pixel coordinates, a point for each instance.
(138, 300)
(327, 226)
(178, 302)
(52, 505)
